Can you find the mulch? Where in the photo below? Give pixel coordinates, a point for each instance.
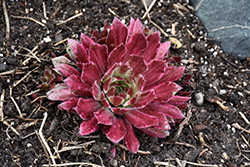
(35, 133)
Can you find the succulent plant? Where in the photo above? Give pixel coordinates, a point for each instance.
(121, 80)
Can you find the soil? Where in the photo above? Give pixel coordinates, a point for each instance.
(220, 86)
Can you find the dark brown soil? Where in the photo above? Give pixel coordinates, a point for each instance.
(208, 138)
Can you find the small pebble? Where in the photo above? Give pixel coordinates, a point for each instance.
(199, 98)
(113, 162)
(223, 91)
(225, 156)
(47, 39)
(200, 46)
(3, 67)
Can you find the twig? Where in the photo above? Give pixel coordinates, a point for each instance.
(112, 12)
(43, 141)
(7, 22)
(203, 141)
(189, 114)
(237, 126)
(139, 151)
(137, 161)
(245, 140)
(75, 147)
(198, 6)
(190, 33)
(183, 144)
(147, 11)
(31, 52)
(162, 31)
(43, 145)
(35, 91)
(244, 117)
(1, 105)
(27, 60)
(71, 18)
(44, 11)
(163, 163)
(11, 127)
(39, 97)
(187, 162)
(73, 163)
(11, 72)
(19, 81)
(13, 100)
(62, 41)
(29, 18)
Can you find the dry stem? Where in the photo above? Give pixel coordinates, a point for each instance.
(148, 10)
(6, 20)
(73, 163)
(139, 151)
(29, 18)
(31, 52)
(19, 81)
(1, 105)
(69, 19)
(43, 141)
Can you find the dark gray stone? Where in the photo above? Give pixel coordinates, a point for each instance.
(228, 22)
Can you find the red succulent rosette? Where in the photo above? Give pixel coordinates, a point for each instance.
(119, 80)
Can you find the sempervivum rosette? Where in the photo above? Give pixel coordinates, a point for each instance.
(119, 80)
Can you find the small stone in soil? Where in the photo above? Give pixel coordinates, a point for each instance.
(233, 98)
(199, 99)
(3, 67)
(200, 46)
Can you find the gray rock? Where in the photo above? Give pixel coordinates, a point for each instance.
(227, 22)
(199, 99)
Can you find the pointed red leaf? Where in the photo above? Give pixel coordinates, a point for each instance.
(140, 83)
(116, 131)
(99, 54)
(135, 45)
(137, 64)
(130, 139)
(165, 91)
(86, 107)
(104, 116)
(116, 55)
(90, 73)
(67, 70)
(154, 72)
(116, 100)
(120, 111)
(171, 74)
(183, 106)
(163, 121)
(77, 86)
(144, 99)
(163, 50)
(86, 41)
(177, 100)
(117, 34)
(89, 126)
(140, 119)
(68, 105)
(153, 45)
(153, 132)
(134, 27)
(78, 50)
(96, 91)
(61, 94)
(167, 109)
(104, 101)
